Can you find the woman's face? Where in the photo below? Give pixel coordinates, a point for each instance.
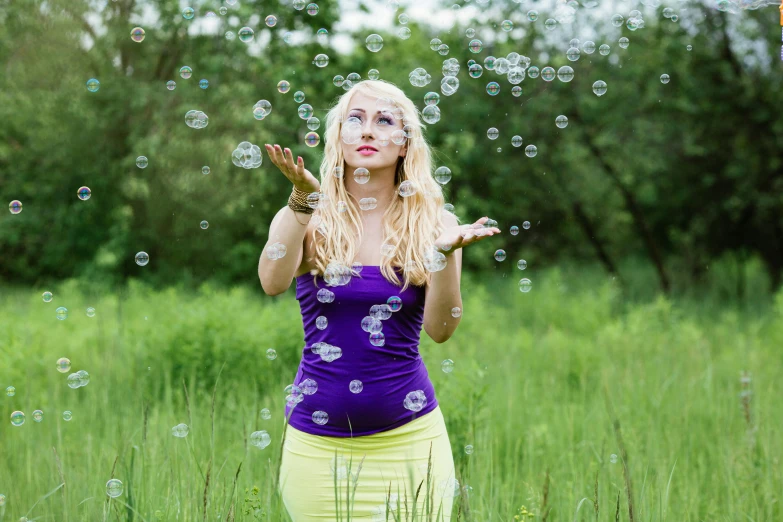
(376, 127)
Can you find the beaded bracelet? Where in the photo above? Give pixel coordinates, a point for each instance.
(298, 201)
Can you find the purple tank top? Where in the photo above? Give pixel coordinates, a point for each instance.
(388, 373)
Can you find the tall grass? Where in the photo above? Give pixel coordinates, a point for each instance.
(546, 386)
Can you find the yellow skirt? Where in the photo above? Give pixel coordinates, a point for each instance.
(379, 471)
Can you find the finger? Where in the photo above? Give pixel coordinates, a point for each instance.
(273, 155)
(300, 169)
(482, 221)
(289, 161)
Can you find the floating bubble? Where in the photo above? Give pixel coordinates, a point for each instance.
(205, 170)
(565, 74)
(507, 25)
(613, 458)
(260, 439)
(550, 24)
(308, 386)
(561, 122)
(180, 430)
(395, 303)
(514, 230)
(548, 74)
(361, 175)
(230, 35)
(665, 79)
(443, 49)
(599, 88)
(442, 175)
(188, 13)
(688, 47)
(475, 71)
(17, 418)
(415, 401)
(617, 20)
(526, 225)
(493, 88)
(532, 15)
(142, 162)
(431, 114)
(356, 386)
(204, 225)
(185, 72)
(266, 414)
(338, 80)
(171, 85)
(321, 60)
(419, 77)
(305, 111)
(247, 156)
(624, 42)
(246, 34)
(373, 74)
(531, 151)
(137, 34)
(500, 255)
(588, 47)
(67, 415)
(114, 488)
(404, 33)
(368, 203)
(15, 207)
(142, 258)
(456, 312)
(525, 285)
(493, 133)
(312, 139)
(299, 4)
(283, 86)
(469, 449)
(271, 354)
(312, 9)
(377, 339)
(63, 365)
(447, 366)
(475, 46)
(61, 313)
(403, 18)
(573, 54)
(604, 50)
(470, 32)
(203, 83)
(84, 378)
(533, 72)
(2, 500)
(223, 10)
(431, 98)
(84, 193)
(93, 85)
(270, 21)
(407, 188)
(37, 415)
(10, 391)
(320, 417)
(321, 322)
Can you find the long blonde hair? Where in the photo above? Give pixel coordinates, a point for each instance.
(411, 224)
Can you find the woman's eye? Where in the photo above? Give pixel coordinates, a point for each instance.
(386, 120)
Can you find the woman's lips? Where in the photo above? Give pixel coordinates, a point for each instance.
(367, 152)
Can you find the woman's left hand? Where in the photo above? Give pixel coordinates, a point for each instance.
(459, 236)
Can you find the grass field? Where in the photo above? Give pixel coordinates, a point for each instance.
(546, 386)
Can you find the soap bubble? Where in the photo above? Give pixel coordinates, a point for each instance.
(374, 43)
(525, 285)
(516, 141)
(599, 88)
(17, 418)
(588, 47)
(37, 415)
(431, 98)
(493, 88)
(260, 439)
(531, 151)
(320, 417)
(533, 72)
(321, 60)
(114, 488)
(415, 401)
(514, 230)
(561, 122)
(246, 35)
(84, 193)
(507, 25)
(142, 162)
(15, 206)
(63, 365)
(188, 13)
(312, 9)
(617, 20)
(456, 312)
(283, 86)
(10, 391)
(93, 85)
(203, 83)
(475, 46)
(84, 378)
(67, 415)
(377, 339)
(604, 50)
(312, 139)
(664, 79)
(565, 74)
(271, 354)
(404, 33)
(573, 54)
(180, 430)
(624, 42)
(613, 458)
(526, 225)
(137, 34)
(321, 322)
(447, 366)
(308, 386)
(373, 74)
(266, 414)
(493, 133)
(61, 313)
(548, 74)
(270, 21)
(305, 111)
(247, 156)
(90, 312)
(469, 449)
(142, 258)
(395, 303)
(500, 255)
(475, 71)
(313, 123)
(407, 188)
(356, 386)
(185, 72)
(532, 15)
(171, 85)
(521, 264)
(361, 175)
(431, 114)
(550, 24)
(47, 297)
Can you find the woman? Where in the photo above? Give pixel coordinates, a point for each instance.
(377, 259)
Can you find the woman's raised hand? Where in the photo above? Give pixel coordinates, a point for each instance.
(460, 236)
(295, 171)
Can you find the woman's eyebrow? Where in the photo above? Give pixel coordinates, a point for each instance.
(362, 110)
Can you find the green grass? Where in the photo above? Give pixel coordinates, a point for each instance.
(536, 382)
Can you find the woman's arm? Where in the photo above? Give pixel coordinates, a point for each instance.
(289, 228)
(443, 294)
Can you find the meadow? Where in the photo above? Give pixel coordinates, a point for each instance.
(582, 401)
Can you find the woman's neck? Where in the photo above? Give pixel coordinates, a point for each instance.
(380, 186)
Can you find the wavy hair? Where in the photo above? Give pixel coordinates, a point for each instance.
(411, 224)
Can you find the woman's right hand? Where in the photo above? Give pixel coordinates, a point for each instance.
(294, 171)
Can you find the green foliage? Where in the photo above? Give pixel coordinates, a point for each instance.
(532, 377)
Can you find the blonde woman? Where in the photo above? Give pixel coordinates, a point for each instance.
(377, 259)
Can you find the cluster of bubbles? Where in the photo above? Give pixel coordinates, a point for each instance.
(419, 77)
(346, 82)
(78, 379)
(196, 119)
(247, 155)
